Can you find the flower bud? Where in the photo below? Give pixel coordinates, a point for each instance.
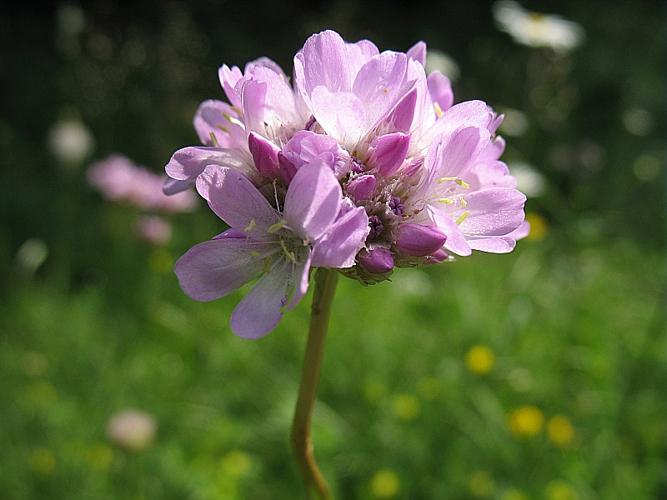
(388, 152)
(419, 240)
(402, 115)
(376, 260)
(265, 155)
(362, 187)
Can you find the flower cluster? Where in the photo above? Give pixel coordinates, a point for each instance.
(363, 164)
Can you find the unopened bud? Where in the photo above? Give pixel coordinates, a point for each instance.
(377, 260)
(419, 240)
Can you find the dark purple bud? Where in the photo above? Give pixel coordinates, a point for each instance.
(419, 240)
(377, 260)
(396, 205)
(376, 227)
(361, 188)
(403, 113)
(265, 155)
(388, 152)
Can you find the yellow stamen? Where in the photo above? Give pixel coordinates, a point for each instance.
(446, 201)
(462, 217)
(438, 110)
(214, 139)
(446, 179)
(224, 129)
(463, 202)
(462, 183)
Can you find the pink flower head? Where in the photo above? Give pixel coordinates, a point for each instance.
(368, 129)
(119, 179)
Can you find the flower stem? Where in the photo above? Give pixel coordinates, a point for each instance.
(325, 287)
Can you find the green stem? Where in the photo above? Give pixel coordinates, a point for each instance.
(325, 288)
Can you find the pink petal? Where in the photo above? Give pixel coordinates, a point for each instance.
(301, 274)
(493, 245)
(380, 85)
(236, 200)
(172, 186)
(260, 311)
(342, 115)
(440, 90)
(187, 163)
(493, 212)
(215, 268)
(229, 77)
(323, 61)
(312, 201)
(465, 114)
(520, 232)
(418, 53)
(264, 62)
(456, 241)
(253, 96)
(341, 243)
(218, 125)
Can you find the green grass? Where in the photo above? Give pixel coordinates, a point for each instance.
(576, 331)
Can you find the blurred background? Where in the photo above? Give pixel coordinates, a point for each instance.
(535, 375)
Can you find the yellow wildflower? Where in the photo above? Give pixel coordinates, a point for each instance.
(480, 359)
(560, 430)
(539, 227)
(406, 407)
(526, 421)
(385, 484)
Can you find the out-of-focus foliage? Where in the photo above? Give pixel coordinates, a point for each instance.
(535, 375)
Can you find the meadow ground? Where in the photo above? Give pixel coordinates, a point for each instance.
(533, 375)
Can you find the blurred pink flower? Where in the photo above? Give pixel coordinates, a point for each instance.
(119, 179)
(153, 229)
